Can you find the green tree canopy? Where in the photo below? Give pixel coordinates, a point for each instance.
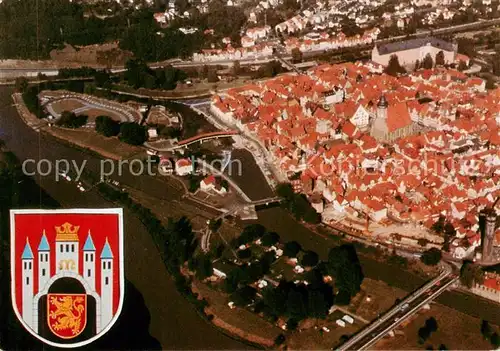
(440, 58)
(71, 120)
(133, 133)
(270, 239)
(291, 249)
(344, 265)
(431, 257)
(471, 274)
(428, 62)
(310, 259)
(296, 55)
(107, 126)
(394, 68)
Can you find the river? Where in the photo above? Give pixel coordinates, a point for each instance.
(154, 313)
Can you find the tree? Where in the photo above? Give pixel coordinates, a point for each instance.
(291, 249)
(496, 64)
(490, 83)
(215, 225)
(21, 84)
(285, 191)
(495, 340)
(427, 62)
(133, 133)
(393, 67)
(280, 339)
(310, 259)
(270, 239)
(236, 68)
(296, 304)
(107, 126)
(486, 329)
(203, 266)
(275, 299)
(462, 66)
(296, 55)
(102, 78)
(250, 233)
(212, 77)
(466, 46)
(423, 335)
(431, 257)
(423, 242)
(317, 304)
(71, 120)
(440, 58)
(136, 72)
(344, 265)
(417, 65)
(471, 274)
(438, 226)
(431, 324)
(243, 296)
(426, 331)
(270, 69)
(244, 254)
(312, 216)
(343, 298)
(292, 5)
(350, 28)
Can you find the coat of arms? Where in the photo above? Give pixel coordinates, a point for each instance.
(67, 273)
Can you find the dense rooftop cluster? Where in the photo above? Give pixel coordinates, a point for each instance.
(317, 128)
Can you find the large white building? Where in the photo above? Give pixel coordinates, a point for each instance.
(67, 254)
(409, 51)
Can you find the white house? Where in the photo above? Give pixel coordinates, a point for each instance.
(361, 117)
(210, 184)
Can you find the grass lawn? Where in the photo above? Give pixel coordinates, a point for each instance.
(92, 113)
(457, 331)
(375, 297)
(316, 339)
(242, 321)
(282, 270)
(108, 147)
(66, 105)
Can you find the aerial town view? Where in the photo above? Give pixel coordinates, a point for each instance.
(242, 174)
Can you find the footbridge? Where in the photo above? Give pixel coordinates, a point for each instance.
(205, 136)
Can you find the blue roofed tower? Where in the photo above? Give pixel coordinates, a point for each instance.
(27, 276)
(89, 261)
(106, 284)
(43, 262)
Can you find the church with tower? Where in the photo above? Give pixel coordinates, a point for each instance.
(392, 121)
(67, 253)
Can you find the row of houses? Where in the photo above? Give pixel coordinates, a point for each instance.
(365, 144)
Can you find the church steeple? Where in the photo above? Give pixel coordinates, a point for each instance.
(382, 107)
(382, 102)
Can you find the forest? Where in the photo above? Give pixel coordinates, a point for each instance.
(30, 29)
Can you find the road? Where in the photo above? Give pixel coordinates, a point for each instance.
(399, 313)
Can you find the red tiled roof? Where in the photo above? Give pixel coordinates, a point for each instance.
(398, 116)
